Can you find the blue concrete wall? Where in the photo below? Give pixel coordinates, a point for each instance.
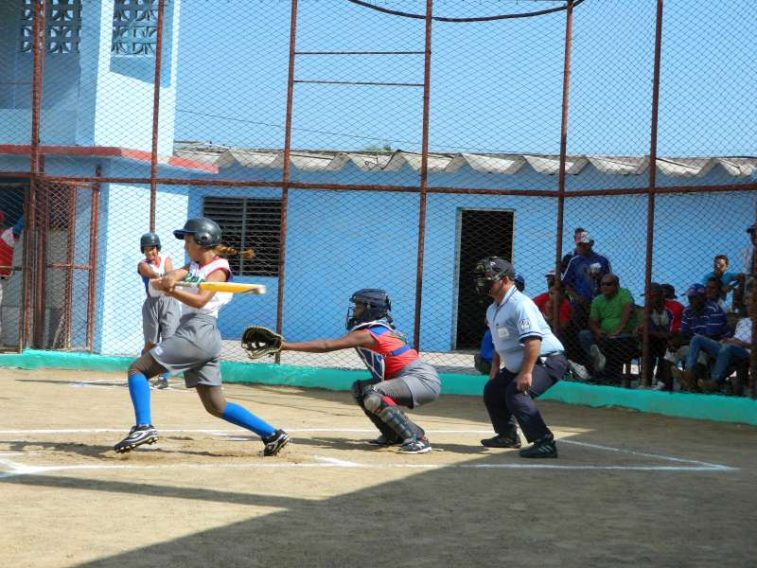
(89, 98)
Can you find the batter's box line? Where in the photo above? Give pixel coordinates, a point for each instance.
(696, 465)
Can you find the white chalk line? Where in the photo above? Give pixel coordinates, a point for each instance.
(13, 468)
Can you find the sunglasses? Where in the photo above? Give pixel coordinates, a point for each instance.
(607, 283)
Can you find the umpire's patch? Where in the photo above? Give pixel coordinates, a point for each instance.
(524, 325)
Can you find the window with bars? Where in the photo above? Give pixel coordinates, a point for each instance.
(62, 26)
(249, 223)
(135, 27)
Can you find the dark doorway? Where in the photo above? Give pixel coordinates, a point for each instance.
(482, 233)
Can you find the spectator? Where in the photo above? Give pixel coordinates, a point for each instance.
(712, 293)
(725, 281)
(727, 351)
(746, 277)
(482, 360)
(612, 320)
(699, 318)
(673, 305)
(520, 282)
(546, 302)
(582, 276)
(659, 332)
(566, 258)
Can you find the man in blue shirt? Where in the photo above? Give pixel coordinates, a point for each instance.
(582, 276)
(528, 359)
(704, 318)
(726, 281)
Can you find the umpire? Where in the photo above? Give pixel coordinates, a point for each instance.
(532, 360)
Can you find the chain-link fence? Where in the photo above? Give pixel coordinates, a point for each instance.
(382, 144)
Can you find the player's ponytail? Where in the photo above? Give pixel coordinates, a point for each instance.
(227, 251)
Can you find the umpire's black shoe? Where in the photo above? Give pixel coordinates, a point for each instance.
(138, 435)
(542, 448)
(275, 442)
(508, 440)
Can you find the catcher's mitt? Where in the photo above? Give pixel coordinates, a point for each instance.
(260, 341)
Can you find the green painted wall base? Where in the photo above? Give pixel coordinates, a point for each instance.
(711, 407)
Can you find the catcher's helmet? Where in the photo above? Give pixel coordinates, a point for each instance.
(489, 270)
(149, 240)
(204, 231)
(376, 305)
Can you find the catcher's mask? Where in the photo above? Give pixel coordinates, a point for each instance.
(149, 240)
(374, 305)
(490, 270)
(204, 231)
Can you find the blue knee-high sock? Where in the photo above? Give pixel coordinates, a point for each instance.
(139, 390)
(240, 416)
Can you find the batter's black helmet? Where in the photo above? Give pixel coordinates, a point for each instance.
(376, 305)
(204, 231)
(490, 270)
(149, 240)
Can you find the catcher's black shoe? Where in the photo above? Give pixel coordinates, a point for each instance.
(384, 441)
(138, 435)
(417, 446)
(275, 442)
(542, 448)
(508, 440)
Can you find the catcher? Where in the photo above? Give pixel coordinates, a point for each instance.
(398, 376)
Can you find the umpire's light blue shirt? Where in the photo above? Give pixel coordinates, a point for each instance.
(514, 320)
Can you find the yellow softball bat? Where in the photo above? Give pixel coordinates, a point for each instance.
(230, 287)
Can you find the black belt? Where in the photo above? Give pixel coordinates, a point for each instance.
(542, 358)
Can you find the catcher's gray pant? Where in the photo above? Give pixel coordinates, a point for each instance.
(160, 318)
(417, 384)
(194, 350)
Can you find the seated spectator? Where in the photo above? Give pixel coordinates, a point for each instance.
(746, 277)
(609, 340)
(673, 305)
(556, 297)
(723, 280)
(727, 352)
(699, 318)
(582, 276)
(659, 332)
(546, 300)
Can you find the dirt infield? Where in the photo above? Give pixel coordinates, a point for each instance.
(628, 488)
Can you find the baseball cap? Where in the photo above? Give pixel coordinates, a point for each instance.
(751, 228)
(695, 290)
(551, 272)
(584, 238)
(669, 290)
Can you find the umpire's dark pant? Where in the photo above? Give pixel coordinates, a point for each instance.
(505, 404)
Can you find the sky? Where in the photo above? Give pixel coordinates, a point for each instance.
(495, 86)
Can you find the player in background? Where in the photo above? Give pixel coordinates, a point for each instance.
(160, 313)
(8, 239)
(195, 348)
(398, 376)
